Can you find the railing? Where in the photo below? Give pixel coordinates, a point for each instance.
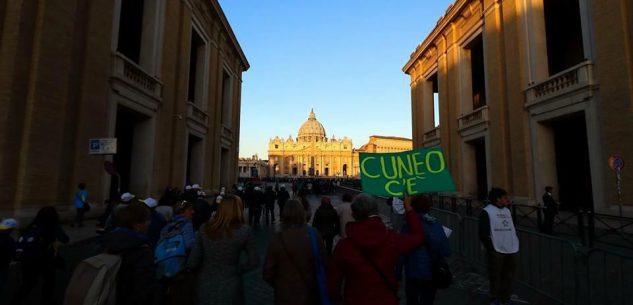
(432, 135)
(554, 270)
(572, 79)
(134, 75)
(197, 114)
(476, 117)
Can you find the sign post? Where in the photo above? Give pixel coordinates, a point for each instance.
(405, 173)
(616, 162)
(111, 170)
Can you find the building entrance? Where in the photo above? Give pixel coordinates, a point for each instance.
(134, 133)
(572, 162)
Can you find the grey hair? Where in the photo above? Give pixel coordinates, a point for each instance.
(363, 206)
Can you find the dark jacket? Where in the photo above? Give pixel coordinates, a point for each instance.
(136, 283)
(202, 212)
(418, 264)
(326, 221)
(157, 223)
(289, 267)
(550, 204)
(7, 249)
(257, 200)
(362, 283)
(282, 197)
(269, 198)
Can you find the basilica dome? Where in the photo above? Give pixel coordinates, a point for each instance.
(312, 128)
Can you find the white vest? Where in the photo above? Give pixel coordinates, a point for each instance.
(502, 231)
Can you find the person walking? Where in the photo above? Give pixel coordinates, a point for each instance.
(345, 212)
(136, 280)
(177, 288)
(551, 209)
(498, 236)
(290, 264)
(255, 203)
(282, 198)
(157, 221)
(326, 222)
(215, 257)
(81, 205)
(269, 208)
(418, 265)
(362, 268)
(36, 249)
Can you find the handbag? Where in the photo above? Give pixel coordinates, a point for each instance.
(319, 269)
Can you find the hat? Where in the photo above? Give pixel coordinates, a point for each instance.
(126, 197)
(188, 187)
(150, 202)
(8, 223)
(195, 187)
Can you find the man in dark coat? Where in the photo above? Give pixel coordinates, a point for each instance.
(326, 222)
(269, 199)
(551, 209)
(136, 284)
(354, 273)
(282, 198)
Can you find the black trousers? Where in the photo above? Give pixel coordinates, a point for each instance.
(548, 224)
(270, 214)
(501, 269)
(79, 217)
(253, 216)
(31, 273)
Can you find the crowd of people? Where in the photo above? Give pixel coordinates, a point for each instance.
(191, 247)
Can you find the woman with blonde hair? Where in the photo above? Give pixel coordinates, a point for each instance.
(215, 257)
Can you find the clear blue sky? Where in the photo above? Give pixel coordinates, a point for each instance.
(342, 57)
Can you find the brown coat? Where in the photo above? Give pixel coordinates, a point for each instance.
(289, 269)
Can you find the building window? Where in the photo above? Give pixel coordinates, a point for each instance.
(564, 34)
(477, 73)
(433, 80)
(276, 146)
(130, 29)
(196, 68)
(226, 98)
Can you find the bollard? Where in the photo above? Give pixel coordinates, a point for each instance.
(590, 228)
(581, 227)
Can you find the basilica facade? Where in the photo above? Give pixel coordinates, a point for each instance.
(311, 153)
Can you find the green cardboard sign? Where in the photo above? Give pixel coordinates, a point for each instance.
(405, 173)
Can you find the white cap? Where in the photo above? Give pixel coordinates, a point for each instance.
(195, 187)
(8, 223)
(126, 197)
(188, 187)
(218, 199)
(150, 202)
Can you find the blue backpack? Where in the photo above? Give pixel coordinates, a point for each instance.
(170, 255)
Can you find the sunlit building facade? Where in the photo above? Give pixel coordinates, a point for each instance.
(162, 77)
(311, 154)
(529, 93)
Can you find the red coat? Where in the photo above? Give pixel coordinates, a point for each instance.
(351, 279)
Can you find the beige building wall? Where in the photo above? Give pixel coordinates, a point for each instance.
(533, 110)
(64, 79)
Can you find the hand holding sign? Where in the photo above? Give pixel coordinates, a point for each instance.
(405, 173)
